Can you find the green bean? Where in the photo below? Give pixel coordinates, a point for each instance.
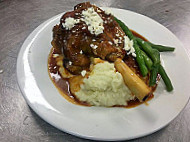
(147, 60)
(153, 53)
(156, 54)
(161, 48)
(139, 56)
(140, 59)
(124, 28)
(165, 78)
(153, 75)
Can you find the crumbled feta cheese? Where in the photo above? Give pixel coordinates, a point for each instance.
(116, 41)
(83, 28)
(134, 55)
(117, 35)
(55, 76)
(55, 55)
(83, 73)
(128, 46)
(70, 63)
(110, 42)
(93, 46)
(70, 23)
(127, 43)
(93, 21)
(93, 40)
(105, 22)
(108, 11)
(81, 52)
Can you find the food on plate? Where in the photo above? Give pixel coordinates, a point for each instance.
(104, 83)
(96, 60)
(135, 84)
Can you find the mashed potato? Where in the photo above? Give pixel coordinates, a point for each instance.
(104, 87)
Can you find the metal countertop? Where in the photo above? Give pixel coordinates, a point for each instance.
(18, 18)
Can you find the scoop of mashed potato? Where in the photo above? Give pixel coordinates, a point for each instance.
(104, 87)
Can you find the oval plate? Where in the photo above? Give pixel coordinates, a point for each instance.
(99, 123)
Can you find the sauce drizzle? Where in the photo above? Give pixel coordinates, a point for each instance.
(62, 84)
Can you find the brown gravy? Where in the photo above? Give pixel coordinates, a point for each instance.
(63, 85)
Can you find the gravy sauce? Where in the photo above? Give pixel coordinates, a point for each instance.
(62, 84)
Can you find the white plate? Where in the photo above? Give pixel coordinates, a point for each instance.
(100, 123)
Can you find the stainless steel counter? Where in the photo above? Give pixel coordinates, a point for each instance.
(18, 123)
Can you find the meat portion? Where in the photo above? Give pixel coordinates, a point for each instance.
(79, 43)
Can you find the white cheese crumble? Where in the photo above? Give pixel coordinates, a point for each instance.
(116, 41)
(81, 52)
(83, 73)
(55, 76)
(110, 42)
(70, 63)
(108, 11)
(128, 46)
(134, 55)
(70, 23)
(93, 46)
(83, 28)
(93, 21)
(55, 55)
(93, 40)
(117, 35)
